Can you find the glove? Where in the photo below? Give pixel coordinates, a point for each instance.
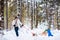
(14, 25)
(21, 25)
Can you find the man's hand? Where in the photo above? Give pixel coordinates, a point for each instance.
(14, 25)
(21, 25)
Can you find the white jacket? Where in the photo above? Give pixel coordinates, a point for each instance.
(18, 23)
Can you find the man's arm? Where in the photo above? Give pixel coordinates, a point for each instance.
(20, 23)
(13, 23)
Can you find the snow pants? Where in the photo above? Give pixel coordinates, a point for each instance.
(49, 32)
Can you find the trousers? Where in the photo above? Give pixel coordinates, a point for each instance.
(49, 32)
(16, 31)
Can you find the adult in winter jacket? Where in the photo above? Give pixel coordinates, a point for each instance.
(16, 24)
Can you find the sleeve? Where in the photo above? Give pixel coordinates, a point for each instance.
(19, 22)
(13, 23)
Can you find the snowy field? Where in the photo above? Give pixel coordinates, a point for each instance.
(26, 34)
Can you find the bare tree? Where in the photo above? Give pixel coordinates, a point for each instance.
(31, 15)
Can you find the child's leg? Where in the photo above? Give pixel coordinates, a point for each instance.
(49, 32)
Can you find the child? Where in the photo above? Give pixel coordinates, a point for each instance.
(48, 31)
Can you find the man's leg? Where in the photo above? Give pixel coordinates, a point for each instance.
(16, 30)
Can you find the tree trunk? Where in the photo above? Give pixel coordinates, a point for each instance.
(36, 15)
(31, 15)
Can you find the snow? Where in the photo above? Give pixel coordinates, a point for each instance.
(23, 35)
(26, 34)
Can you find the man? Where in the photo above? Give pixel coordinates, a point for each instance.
(17, 24)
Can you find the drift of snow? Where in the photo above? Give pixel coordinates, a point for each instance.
(26, 34)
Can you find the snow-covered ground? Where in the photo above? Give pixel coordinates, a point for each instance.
(26, 34)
